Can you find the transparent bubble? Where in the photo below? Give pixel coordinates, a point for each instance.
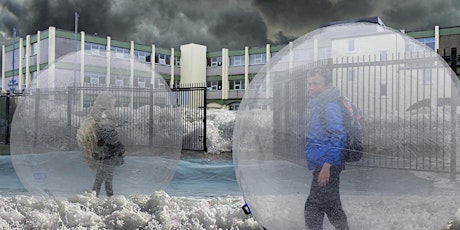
(143, 112)
(407, 177)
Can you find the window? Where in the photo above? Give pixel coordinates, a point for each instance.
(415, 46)
(351, 45)
(140, 81)
(236, 84)
(234, 106)
(429, 42)
(162, 59)
(118, 52)
(236, 60)
(141, 84)
(141, 55)
(214, 85)
(94, 78)
(159, 83)
(177, 61)
(215, 61)
(34, 48)
(256, 59)
(95, 49)
(119, 80)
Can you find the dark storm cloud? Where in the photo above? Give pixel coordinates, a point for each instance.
(294, 18)
(231, 24)
(162, 22)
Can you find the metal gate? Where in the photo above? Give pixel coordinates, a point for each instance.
(8, 104)
(192, 102)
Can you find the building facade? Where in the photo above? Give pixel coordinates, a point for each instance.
(226, 73)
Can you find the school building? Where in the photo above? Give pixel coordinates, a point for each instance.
(226, 73)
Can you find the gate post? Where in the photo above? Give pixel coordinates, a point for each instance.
(453, 130)
(205, 148)
(7, 127)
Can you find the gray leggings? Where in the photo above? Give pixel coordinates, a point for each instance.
(104, 173)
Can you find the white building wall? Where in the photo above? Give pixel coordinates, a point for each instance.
(192, 63)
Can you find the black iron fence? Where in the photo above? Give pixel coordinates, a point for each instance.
(150, 110)
(410, 105)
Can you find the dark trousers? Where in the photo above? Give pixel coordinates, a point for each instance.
(104, 174)
(325, 200)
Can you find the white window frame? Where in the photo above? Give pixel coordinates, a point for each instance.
(141, 84)
(257, 59)
(141, 55)
(237, 60)
(216, 61)
(34, 49)
(237, 84)
(94, 80)
(177, 61)
(215, 85)
(234, 106)
(119, 82)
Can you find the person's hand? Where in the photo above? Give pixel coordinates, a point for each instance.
(324, 174)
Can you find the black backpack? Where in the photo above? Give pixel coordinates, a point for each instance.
(353, 124)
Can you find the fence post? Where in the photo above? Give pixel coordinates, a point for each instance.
(7, 137)
(205, 148)
(36, 120)
(453, 130)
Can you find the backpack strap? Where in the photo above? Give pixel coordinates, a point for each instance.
(322, 115)
(322, 119)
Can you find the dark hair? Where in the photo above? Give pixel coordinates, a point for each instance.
(323, 72)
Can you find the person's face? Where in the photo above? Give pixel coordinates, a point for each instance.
(316, 85)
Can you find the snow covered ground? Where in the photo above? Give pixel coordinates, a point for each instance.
(386, 200)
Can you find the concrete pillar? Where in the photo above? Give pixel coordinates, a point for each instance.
(108, 56)
(193, 63)
(4, 86)
(246, 68)
(51, 57)
(171, 63)
(152, 63)
(82, 58)
(225, 66)
(27, 64)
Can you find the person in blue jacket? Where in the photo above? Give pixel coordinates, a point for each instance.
(325, 139)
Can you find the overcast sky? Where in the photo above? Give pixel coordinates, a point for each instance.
(218, 24)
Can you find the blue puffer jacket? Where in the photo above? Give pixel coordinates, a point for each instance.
(325, 141)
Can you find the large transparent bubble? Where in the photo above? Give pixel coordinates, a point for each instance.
(145, 116)
(407, 177)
